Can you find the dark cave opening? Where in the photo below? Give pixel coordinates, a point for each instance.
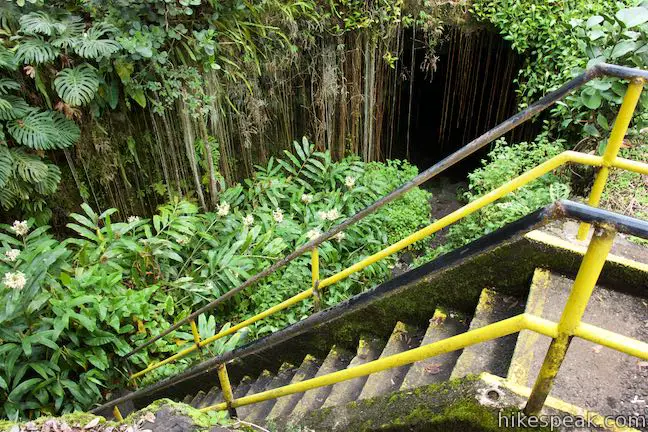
(463, 91)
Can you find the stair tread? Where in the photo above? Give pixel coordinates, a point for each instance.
(403, 338)
(262, 409)
(436, 369)
(286, 404)
(211, 397)
(242, 387)
(347, 391)
(197, 398)
(336, 360)
(492, 356)
(593, 377)
(259, 385)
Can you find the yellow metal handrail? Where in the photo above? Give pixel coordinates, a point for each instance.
(570, 324)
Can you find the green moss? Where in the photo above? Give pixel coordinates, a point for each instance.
(200, 419)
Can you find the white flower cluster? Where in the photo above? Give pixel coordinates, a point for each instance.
(223, 208)
(349, 181)
(313, 234)
(12, 254)
(15, 280)
(20, 228)
(339, 236)
(331, 215)
(132, 219)
(307, 198)
(248, 220)
(278, 215)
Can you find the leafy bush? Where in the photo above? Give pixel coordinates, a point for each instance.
(74, 308)
(505, 162)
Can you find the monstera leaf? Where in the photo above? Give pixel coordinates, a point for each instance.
(78, 85)
(43, 130)
(41, 23)
(93, 45)
(35, 51)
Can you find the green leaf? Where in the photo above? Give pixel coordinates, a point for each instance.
(623, 48)
(602, 121)
(591, 99)
(94, 45)
(634, 16)
(35, 51)
(138, 96)
(77, 86)
(23, 388)
(40, 22)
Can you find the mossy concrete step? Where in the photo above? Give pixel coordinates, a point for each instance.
(242, 388)
(444, 324)
(336, 360)
(369, 349)
(213, 396)
(403, 338)
(593, 377)
(262, 409)
(493, 356)
(286, 404)
(195, 401)
(259, 385)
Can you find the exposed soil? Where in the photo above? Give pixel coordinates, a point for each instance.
(444, 201)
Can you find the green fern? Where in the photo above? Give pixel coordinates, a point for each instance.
(17, 108)
(35, 51)
(78, 85)
(28, 167)
(41, 23)
(6, 166)
(93, 46)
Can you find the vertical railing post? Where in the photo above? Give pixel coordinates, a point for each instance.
(117, 414)
(588, 274)
(226, 388)
(317, 299)
(623, 119)
(196, 334)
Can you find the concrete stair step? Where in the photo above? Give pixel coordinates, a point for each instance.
(198, 397)
(444, 324)
(211, 397)
(593, 377)
(403, 338)
(286, 404)
(242, 388)
(493, 356)
(369, 349)
(336, 360)
(259, 385)
(262, 409)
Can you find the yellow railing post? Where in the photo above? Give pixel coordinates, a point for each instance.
(117, 414)
(226, 388)
(196, 334)
(317, 299)
(633, 93)
(586, 279)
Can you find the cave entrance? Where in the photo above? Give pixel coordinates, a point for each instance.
(463, 91)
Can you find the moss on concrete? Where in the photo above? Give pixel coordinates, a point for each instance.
(449, 406)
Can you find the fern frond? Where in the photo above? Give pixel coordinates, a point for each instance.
(28, 167)
(50, 183)
(17, 108)
(36, 130)
(93, 46)
(7, 84)
(7, 59)
(6, 166)
(78, 85)
(40, 23)
(35, 51)
(72, 32)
